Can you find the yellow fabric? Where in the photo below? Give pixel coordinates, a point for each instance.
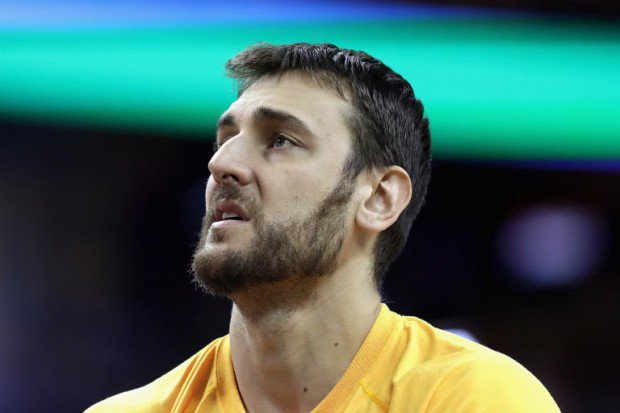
(404, 365)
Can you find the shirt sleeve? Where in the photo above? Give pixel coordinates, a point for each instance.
(491, 383)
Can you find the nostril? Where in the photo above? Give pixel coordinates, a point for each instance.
(229, 178)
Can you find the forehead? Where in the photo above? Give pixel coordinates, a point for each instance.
(320, 107)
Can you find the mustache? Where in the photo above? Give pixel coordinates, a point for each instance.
(230, 192)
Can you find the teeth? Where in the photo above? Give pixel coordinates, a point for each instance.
(229, 215)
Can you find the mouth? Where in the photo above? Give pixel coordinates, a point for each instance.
(229, 213)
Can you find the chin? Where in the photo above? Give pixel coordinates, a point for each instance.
(211, 269)
(227, 235)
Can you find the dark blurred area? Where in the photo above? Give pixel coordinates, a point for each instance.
(97, 231)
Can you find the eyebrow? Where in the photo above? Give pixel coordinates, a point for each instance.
(226, 119)
(263, 113)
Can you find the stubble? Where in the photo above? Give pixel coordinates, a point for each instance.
(293, 254)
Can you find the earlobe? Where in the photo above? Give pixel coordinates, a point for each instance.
(390, 195)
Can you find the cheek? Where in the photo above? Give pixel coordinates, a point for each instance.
(298, 193)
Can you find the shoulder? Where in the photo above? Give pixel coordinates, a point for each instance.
(164, 393)
(490, 381)
(465, 376)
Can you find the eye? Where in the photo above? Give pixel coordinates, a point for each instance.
(280, 141)
(221, 140)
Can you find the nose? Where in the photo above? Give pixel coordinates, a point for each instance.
(231, 162)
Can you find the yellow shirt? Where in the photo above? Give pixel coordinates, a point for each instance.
(403, 365)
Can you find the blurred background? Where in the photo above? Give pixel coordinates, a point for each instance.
(107, 114)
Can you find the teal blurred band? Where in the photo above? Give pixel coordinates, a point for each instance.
(517, 88)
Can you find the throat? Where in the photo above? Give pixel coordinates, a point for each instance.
(285, 362)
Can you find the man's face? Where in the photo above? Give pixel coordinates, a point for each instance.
(276, 198)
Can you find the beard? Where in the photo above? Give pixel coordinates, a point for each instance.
(301, 249)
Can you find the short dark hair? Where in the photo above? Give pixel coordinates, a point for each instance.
(387, 120)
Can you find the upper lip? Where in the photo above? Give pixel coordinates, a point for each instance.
(229, 206)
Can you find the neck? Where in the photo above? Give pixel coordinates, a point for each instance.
(288, 356)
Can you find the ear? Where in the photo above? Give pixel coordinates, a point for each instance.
(390, 195)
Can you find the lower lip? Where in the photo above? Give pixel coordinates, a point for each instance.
(229, 223)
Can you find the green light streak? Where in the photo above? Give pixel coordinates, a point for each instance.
(492, 89)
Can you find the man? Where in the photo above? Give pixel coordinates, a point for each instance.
(322, 163)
